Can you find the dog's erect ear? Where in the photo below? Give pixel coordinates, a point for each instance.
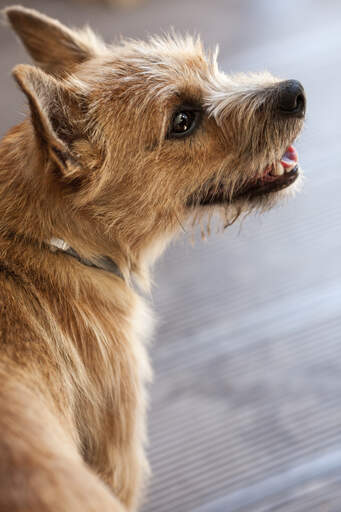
(54, 47)
(52, 106)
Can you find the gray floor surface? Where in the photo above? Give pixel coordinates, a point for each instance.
(246, 403)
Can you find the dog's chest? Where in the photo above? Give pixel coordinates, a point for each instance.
(112, 372)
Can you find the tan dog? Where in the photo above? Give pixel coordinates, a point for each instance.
(124, 145)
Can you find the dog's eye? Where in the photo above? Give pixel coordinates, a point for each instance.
(183, 123)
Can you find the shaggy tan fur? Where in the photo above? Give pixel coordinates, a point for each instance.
(95, 166)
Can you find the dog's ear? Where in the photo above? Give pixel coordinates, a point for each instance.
(53, 108)
(53, 47)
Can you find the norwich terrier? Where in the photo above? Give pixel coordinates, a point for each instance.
(124, 144)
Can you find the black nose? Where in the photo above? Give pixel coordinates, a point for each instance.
(291, 99)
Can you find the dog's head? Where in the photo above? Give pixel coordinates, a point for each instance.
(139, 136)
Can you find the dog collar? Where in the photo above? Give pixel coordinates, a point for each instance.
(102, 263)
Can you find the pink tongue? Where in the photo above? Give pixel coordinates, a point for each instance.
(290, 157)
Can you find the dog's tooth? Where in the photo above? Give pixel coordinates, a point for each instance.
(277, 170)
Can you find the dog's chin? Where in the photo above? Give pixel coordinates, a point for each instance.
(265, 188)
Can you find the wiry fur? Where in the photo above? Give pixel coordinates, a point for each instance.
(94, 166)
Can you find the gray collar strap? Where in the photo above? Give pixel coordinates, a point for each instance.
(102, 263)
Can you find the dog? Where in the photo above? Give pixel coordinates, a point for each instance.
(124, 145)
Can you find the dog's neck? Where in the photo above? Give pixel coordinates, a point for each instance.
(102, 263)
(31, 207)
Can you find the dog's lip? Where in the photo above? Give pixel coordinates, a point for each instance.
(262, 187)
(274, 178)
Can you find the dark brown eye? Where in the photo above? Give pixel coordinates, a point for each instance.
(183, 123)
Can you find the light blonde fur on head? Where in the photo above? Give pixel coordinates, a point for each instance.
(100, 166)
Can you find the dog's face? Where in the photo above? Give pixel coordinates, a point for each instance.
(144, 135)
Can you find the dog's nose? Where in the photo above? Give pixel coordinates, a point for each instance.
(291, 99)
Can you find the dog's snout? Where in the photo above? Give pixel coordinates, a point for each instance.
(291, 99)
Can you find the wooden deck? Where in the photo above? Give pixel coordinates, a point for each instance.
(246, 404)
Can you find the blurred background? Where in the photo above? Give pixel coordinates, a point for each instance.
(246, 403)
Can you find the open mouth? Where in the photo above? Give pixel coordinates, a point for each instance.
(273, 179)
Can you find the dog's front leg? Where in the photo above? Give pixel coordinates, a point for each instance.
(128, 474)
(40, 468)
